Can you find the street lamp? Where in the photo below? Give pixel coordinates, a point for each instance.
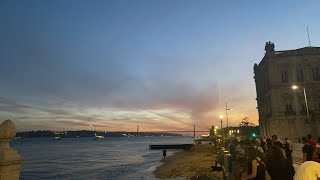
(227, 109)
(294, 87)
(221, 117)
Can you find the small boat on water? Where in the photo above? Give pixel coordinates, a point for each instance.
(98, 137)
(57, 138)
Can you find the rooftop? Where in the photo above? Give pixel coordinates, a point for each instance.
(309, 50)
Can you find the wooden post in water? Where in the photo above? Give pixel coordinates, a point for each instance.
(10, 160)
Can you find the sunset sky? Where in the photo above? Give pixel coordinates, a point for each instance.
(162, 65)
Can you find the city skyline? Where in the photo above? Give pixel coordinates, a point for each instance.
(161, 65)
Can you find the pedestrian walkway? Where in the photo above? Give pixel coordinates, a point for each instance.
(297, 152)
(297, 155)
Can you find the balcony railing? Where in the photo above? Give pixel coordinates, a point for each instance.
(290, 113)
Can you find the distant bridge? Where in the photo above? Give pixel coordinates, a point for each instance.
(177, 131)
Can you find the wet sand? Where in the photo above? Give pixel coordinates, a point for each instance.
(192, 164)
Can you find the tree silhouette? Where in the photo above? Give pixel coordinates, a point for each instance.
(245, 122)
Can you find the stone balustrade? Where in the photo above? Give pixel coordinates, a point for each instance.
(10, 160)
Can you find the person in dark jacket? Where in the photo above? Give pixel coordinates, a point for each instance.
(278, 167)
(269, 143)
(307, 150)
(288, 149)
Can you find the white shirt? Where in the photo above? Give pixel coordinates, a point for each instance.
(309, 170)
(258, 148)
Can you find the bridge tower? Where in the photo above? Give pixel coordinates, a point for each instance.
(194, 130)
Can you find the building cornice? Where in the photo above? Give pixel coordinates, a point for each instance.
(298, 52)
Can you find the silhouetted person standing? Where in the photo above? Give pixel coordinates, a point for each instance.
(278, 167)
(278, 143)
(312, 142)
(306, 150)
(269, 143)
(288, 149)
(316, 152)
(164, 153)
(256, 167)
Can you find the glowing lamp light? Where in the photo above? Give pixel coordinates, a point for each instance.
(294, 87)
(221, 116)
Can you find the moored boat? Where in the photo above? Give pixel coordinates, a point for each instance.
(98, 137)
(57, 138)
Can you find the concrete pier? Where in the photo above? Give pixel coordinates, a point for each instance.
(171, 146)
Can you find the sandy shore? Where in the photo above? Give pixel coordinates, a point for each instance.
(192, 164)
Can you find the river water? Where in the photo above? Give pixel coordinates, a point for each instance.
(85, 158)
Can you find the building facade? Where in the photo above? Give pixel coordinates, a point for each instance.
(288, 92)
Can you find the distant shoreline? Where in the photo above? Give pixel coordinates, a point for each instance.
(85, 133)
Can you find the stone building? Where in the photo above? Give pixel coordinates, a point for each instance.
(287, 85)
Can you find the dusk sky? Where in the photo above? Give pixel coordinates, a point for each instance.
(162, 65)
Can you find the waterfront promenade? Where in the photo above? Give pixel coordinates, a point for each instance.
(197, 163)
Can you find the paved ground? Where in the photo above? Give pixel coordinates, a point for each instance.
(297, 152)
(297, 155)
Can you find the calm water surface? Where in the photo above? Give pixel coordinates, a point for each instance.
(85, 158)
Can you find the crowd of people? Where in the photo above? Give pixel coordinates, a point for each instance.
(252, 157)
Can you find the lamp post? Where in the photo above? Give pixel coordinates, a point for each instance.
(294, 87)
(221, 117)
(227, 109)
